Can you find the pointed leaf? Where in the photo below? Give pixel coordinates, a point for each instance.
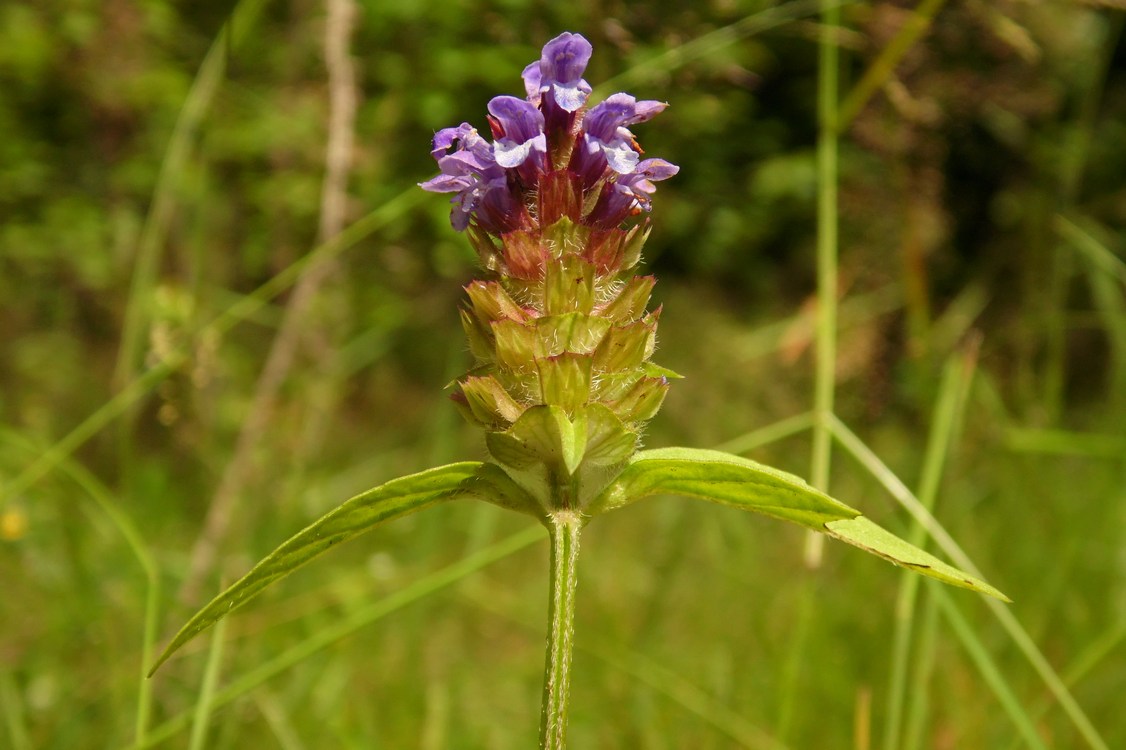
(739, 482)
(721, 478)
(511, 451)
(572, 439)
(604, 249)
(643, 401)
(607, 387)
(656, 371)
(861, 532)
(480, 340)
(486, 248)
(560, 197)
(563, 237)
(634, 242)
(524, 254)
(627, 347)
(488, 401)
(362, 513)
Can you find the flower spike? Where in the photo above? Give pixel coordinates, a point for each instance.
(563, 383)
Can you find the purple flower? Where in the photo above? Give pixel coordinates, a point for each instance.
(630, 194)
(607, 141)
(472, 172)
(555, 83)
(467, 139)
(520, 140)
(520, 180)
(639, 183)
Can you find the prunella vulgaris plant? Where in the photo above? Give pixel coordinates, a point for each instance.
(555, 198)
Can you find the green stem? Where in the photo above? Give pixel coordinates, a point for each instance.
(564, 527)
(826, 347)
(949, 410)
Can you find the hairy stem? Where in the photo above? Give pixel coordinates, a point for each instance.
(564, 527)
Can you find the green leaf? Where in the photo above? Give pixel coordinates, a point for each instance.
(515, 343)
(741, 483)
(397, 498)
(721, 478)
(492, 302)
(863, 533)
(634, 242)
(480, 341)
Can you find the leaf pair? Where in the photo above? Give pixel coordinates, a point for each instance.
(703, 474)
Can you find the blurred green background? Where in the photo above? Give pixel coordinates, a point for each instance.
(166, 379)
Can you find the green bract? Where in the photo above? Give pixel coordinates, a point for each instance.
(563, 383)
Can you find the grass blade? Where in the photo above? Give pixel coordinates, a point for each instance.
(201, 716)
(661, 679)
(12, 709)
(988, 669)
(103, 498)
(202, 93)
(242, 310)
(872, 463)
(883, 66)
(949, 408)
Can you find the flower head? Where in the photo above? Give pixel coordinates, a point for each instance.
(550, 155)
(560, 332)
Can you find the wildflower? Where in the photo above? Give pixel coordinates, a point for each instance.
(559, 74)
(606, 141)
(518, 127)
(472, 172)
(560, 329)
(542, 144)
(629, 194)
(563, 383)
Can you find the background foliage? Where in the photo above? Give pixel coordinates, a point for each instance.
(155, 173)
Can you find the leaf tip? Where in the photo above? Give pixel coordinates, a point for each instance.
(985, 588)
(158, 664)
